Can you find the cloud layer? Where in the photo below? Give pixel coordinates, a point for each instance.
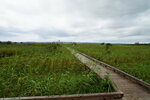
(75, 20)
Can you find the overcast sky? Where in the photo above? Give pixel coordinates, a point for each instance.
(75, 20)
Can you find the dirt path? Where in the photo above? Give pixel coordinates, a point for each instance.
(131, 90)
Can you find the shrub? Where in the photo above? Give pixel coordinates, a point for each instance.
(7, 53)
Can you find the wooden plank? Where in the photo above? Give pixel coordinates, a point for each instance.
(124, 74)
(131, 89)
(93, 96)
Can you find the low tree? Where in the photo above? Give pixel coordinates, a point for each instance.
(102, 43)
(136, 43)
(107, 48)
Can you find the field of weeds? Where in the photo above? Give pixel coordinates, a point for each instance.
(133, 59)
(45, 69)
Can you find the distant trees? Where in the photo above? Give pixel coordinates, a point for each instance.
(9, 42)
(6, 42)
(136, 43)
(102, 43)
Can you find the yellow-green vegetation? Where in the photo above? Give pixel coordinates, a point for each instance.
(133, 59)
(45, 69)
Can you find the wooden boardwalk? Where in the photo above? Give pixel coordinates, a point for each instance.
(131, 90)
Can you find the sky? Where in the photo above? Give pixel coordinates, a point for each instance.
(115, 21)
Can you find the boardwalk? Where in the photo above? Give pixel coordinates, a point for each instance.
(131, 90)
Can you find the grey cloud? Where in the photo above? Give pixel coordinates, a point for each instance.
(46, 33)
(5, 32)
(140, 32)
(77, 20)
(43, 33)
(109, 8)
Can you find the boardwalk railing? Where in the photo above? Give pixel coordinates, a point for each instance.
(93, 96)
(122, 73)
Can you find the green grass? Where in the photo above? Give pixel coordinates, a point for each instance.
(133, 59)
(43, 70)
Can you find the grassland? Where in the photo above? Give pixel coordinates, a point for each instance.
(45, 69)
(133, 59)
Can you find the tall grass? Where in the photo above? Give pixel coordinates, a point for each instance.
(45, 69)
(133, 59)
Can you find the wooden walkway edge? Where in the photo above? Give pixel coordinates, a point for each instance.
(128, 85)
(90, 96)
